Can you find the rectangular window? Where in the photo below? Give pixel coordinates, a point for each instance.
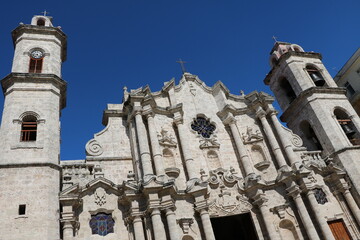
(35, 65)
(28, 131)
(22, 209)
(350, 90)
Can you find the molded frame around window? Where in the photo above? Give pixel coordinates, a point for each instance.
(38, 144)
(104, 211)
(213, 132)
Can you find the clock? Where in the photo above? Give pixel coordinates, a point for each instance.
(36, 54)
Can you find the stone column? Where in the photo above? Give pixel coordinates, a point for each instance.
(206, 223)
(260, 200)
(184, 143)
(244, 157)
(158, 226)
(294, 192)
(157, 156)
(171, 222)
(143, 145)
(67, 219)
(352, 204)
(138, 228)
(260, 113)
(325, 229)
(68, 230)
(285, 142)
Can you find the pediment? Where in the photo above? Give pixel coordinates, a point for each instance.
(90, 187)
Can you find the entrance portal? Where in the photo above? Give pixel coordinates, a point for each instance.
(234, 227)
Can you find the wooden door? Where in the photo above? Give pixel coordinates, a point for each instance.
(339, 230)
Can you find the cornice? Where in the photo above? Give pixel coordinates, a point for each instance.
(293, 108)
(31, 164)
(12, 78)
(42, 30)
(286, 56)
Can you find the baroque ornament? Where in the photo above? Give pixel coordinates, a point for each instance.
(100, 196)
(93, 148)
(166, 139)
(250, 136)
(209, 143)
(224, 195)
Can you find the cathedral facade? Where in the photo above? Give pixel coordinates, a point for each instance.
(187, 162)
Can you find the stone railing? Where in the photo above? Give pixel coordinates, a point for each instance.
(313, 157)
(81, 173)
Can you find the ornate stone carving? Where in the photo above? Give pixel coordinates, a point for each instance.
(185, 224)
(250, 136)
(93, 148)
(224, 194)
(313, 159)
(229, 203)
(100, 196)
(166, 139)
(206, 143)
(223, 177)
(295, 139)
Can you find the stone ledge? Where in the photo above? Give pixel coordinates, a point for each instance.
(31, 164)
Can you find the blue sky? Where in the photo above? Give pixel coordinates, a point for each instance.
(132, 43)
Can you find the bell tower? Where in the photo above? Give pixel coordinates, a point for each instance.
(314, 107)
(34, 95)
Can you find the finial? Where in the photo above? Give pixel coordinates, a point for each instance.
(45, 12)
(242, 93)
(182, 65)
(125, 88)
(275, 39)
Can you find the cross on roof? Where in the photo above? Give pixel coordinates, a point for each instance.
(182, 65)
(273, 37)
(45, 12)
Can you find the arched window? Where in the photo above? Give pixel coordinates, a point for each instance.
(316, 76)
(312, 142)
(102, 224)
(40, 22)
(347, 126)
(287, 89)
(36, 61)
(28, 129)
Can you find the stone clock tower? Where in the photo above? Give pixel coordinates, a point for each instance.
(30, 132)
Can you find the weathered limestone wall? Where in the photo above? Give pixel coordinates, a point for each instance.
(38, 188)
(39, 100)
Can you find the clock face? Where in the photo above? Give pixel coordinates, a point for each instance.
(37, 54)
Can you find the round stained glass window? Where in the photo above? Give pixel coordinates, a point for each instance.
(203, 127)
(102, 224)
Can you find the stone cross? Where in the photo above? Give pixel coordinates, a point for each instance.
(273, 37)
(45, 12)
(182, 65)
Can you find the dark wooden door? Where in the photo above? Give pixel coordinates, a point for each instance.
(339, 230)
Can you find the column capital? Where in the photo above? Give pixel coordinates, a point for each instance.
(154, 211)
(260, 113)
(137, 111)
(260, 199)
(294, 191)
(230, 119)
(148, 111)
(272, 112)
(178, 118)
